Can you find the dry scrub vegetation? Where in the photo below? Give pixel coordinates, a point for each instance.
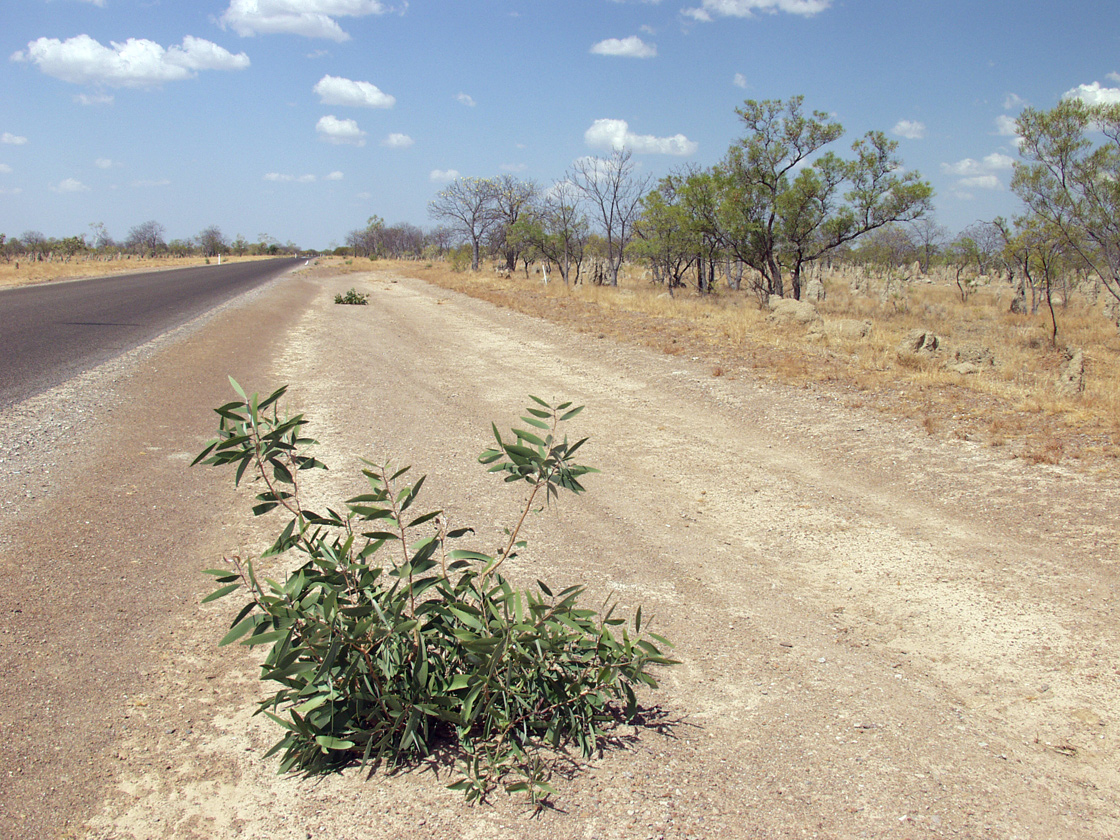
(25, 272)
(1014, 400)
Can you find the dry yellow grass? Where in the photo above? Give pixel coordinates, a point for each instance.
(1014, 401)
(23, 272)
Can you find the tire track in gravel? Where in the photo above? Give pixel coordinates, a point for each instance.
(866, 615)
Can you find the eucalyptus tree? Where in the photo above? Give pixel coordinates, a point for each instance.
(787, 203)
(1071, 181)
(402, 241)
(889, 247)
(1041, 257)
(467, 206)
(35, 244)
(613, 189)
(212, 242)
(511, 197)
(146, 238)
(665, 233)
(367, 241)
(99, 238)
(928, 236)
(555, 226)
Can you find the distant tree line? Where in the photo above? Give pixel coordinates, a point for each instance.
(145, 240)
(776, 203)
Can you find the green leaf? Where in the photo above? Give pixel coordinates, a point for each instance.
(420, 520)
(221, 592)
(238, 630)
(539, 424)
(329, 743)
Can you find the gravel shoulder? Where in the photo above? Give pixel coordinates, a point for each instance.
(883, 634)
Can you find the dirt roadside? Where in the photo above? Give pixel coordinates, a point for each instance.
(883, 634)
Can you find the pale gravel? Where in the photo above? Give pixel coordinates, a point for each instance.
(883, 634)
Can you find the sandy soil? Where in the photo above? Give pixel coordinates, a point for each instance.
(883, 634)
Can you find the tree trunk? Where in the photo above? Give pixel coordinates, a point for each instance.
(774, 280)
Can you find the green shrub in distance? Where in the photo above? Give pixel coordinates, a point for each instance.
(352, 297)
(460, 258)
(387, 644)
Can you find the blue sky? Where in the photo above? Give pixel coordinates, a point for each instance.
(299, 119)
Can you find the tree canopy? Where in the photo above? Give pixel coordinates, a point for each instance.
(1070, 180)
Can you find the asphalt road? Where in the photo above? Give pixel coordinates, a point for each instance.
(54, 331)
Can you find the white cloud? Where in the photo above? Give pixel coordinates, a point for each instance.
(13, 191)
(94, 99)
(299, 179)
(1113, 76)
(333, 176)
(969, 166)
(616, 134)
(740, 81)
(632, 47)
(310, 18)
(984, 182)
(5, 169)
(514, 167)
(158, 182)
(910, 129)
(99, 3)
(398, 141)
(979, 174)
(12, 139)
(1094, 94)
(466, 100)
(137, 63)
(1005, 127)
(710, 9)
(1013, 101)
(443, 175)
(69, 185)
(333, 90)
(337, 131)
(104, 163)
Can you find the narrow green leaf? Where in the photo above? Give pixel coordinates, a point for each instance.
(221, 592)
(238, 630)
